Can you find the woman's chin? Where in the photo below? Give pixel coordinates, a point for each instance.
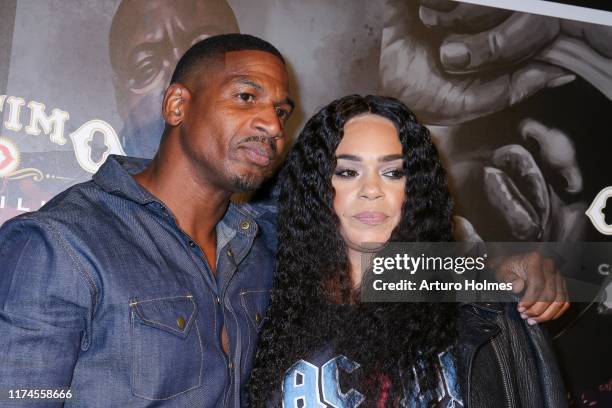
(368, 246)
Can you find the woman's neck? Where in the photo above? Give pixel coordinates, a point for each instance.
(354, 258)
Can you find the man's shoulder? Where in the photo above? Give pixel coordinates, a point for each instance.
(74, 209)
(70, 205)
(43, 235)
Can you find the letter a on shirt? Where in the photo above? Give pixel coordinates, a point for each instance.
(307, 385)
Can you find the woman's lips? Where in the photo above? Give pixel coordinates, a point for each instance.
(371, 217)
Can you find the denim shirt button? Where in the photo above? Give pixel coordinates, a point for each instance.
(245, 225)
(180, 322)
(230, 365)
(192, 244)
(230, 253)
(257, 317)
(218, 300)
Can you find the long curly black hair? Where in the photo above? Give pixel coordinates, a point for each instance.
(312, 304)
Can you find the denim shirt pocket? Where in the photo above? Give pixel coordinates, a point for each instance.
(255, 304)
(167, 353)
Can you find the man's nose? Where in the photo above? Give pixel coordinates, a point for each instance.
(268, 123)
(371, 188)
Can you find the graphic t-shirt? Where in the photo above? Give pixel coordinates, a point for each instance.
(316, 382)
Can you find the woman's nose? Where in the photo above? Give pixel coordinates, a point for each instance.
(371, 188)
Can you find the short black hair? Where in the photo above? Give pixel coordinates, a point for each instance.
(216, 46)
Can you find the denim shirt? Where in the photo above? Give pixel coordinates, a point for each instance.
(102, 292)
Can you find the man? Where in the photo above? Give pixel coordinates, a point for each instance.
(146, 285)
(146, 40)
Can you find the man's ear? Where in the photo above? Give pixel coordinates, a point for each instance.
(175, 103)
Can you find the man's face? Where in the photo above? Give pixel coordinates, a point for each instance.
(233, 123)
(147, 39)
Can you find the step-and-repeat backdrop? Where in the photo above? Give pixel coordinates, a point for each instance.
(519, 104)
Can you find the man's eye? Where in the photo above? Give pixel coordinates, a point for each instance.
(347, 173)
(247, 97)
(282, 113)
(394, 173)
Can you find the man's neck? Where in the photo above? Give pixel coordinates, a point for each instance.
(196, 205)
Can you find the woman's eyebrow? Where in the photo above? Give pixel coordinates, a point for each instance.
(382, 159)
(350, 157)
(390, 157)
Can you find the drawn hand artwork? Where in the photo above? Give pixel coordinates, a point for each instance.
(530, 205)
(531, 187)
(454, 62)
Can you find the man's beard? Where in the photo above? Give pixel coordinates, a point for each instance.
(244, 183)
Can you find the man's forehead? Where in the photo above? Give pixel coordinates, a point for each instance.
(259, 69)
(254, 62)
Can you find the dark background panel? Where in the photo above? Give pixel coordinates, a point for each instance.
(604, 5)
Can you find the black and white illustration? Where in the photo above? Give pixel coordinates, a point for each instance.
(519, 102)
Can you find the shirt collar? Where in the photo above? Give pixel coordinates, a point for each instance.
(115, 177)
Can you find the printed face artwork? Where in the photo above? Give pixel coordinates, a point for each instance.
(146, 41)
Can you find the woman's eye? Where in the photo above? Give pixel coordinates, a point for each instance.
(394, 173)
(346, 173)
(246, 97)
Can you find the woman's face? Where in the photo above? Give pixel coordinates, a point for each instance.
(369, 181)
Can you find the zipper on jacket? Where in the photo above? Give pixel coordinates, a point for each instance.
(503, 372)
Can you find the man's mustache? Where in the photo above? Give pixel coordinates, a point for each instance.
(270, 141)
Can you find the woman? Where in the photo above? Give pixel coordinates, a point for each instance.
(365, 171)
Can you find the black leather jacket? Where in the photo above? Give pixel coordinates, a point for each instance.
(504, 362)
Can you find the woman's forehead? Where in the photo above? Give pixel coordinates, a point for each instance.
(369, 119)
(369, 133)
